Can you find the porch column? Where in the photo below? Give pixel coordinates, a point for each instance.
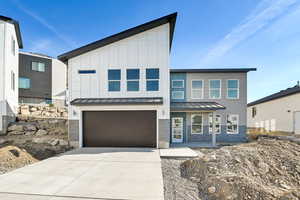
(213, 130)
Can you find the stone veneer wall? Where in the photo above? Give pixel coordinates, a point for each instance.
(74, 133)
(42, 111)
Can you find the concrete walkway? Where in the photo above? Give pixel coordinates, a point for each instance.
(178, 152)
(89, 173)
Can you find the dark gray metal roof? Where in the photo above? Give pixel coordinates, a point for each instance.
(282, 93)
(212, 70)
(117, 101)
(17, 28)
(184, 106)
(122, 35)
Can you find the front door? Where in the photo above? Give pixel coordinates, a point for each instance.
(177, 129)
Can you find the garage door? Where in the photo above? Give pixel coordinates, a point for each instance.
(119, 129)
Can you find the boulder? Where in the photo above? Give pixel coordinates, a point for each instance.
(24, 110)
(54, 142)
(16, 133)
(15, 127)
(63, 142)
(40, 140)
(3, 141)
(30, 127)
(41, 132)
(29, 133)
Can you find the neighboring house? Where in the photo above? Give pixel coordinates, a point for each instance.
(42, 79)
(119, 93)
(10, 42)
(277, 112)
(199, 94)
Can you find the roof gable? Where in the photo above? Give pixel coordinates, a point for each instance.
(17, 28)
(122, 35)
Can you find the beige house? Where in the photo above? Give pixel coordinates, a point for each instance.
(277, 112)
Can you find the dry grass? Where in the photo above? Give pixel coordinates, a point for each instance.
(254, 133)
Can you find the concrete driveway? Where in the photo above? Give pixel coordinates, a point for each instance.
(88, 173)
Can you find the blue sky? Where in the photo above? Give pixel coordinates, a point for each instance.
(209, 33)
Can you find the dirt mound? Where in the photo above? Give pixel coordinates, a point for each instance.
(11, 157)
(266, 169)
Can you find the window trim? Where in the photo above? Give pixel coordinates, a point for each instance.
(178, 87)
(219, 132)
(108, 81)
(209, 93)
(133, 80)
(192, 115)
(237, 127)
(192, 97)
(177, 91)
(238, 88)
(158, 86)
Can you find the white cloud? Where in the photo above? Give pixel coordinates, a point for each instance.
(41, 20)
(261, 16)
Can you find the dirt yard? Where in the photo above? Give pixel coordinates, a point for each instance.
(266, 169)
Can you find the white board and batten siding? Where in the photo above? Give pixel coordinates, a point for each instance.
(149, 49)
(8, 65)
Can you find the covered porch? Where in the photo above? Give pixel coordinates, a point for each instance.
(195, 124)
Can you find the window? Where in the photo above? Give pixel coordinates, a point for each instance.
(232, 124)
(86, 71)
(177, 95)
(197, 124)
(13, 82)
(253, 112)
(114, 80)
(217, 123)
(152, 76)
(214, 89)
(133, 79)
(197, 89)
(38, 66)
(24, 83)
(232, 89)
(13, 46)
(177, 83)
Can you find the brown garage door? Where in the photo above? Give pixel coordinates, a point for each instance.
(119, 129)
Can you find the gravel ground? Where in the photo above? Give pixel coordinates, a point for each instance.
(175, 186)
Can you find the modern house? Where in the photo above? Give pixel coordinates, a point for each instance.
(122, 93)
(42, 79)
(276, 112)
(10, 43)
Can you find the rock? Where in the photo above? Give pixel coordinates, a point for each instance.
(30, 127)
(3, 141)
(24, 110)
(211, 190)
(16, 133)
(15, 127)
(29, 133)
(41, 132)
(33, 109)
(54, 142)
(63, 143)
(40, 140)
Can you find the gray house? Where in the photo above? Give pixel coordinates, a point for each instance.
(42, 79)
(122, 93)
(199, 95)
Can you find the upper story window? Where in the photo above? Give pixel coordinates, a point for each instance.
(232, 89)
(197, 89)
(232, 124)
(214, 89)
(152, 76)
(13, 81)
(38, 66)
(114, 80)
(24, 83)
(177, 83)
(13, 46)
(217, 123)
(254, 111)
(177, 94)
(133, 79)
